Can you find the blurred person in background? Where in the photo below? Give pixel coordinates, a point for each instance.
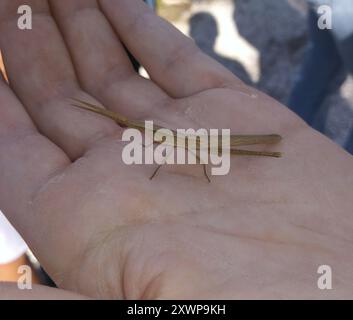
(328, 60)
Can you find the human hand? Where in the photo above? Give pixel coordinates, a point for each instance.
(103, 229)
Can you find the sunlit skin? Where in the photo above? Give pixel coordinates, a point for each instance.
(102, 229)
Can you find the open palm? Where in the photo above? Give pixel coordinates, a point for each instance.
(102, 228)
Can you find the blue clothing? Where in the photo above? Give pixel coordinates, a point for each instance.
(329, 54)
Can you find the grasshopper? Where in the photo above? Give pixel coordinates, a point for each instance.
(235, 140)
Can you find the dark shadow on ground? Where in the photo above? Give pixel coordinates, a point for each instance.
(278, 31)
(204, 30)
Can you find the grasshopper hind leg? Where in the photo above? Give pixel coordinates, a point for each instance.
(206, 173)
(156, 171)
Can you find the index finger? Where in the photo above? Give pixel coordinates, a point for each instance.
(172, 59)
